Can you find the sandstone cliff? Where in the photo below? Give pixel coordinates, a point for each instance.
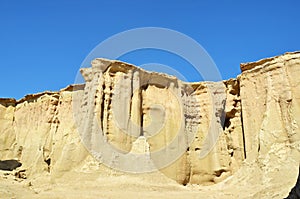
(253, 119)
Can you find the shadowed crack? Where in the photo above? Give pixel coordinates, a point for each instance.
(9, 165)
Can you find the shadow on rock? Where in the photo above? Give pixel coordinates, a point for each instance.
(9, 165)
(295, 192)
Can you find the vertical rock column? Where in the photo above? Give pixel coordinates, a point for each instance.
(270, 107)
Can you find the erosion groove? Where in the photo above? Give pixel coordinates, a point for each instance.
(52, 133)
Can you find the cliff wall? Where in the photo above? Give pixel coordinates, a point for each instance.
(208, 130)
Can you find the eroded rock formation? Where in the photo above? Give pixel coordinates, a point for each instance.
(255, 118)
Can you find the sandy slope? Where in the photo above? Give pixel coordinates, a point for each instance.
(155, 185)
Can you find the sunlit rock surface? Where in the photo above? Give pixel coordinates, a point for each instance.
(238, 138)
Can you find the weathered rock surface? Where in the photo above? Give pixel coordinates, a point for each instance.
(174, 116)
(253, 119)
(295, 192)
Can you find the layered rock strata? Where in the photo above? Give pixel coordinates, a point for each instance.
(198, 133)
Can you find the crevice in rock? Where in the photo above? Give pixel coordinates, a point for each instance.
(9, 165)
(219, 172)
(21, 174)
(141, 112)
(243, 132)
(102, 108)
(141, 90)
(238, 93)
(48, 162)
(131, 97)
(234, 117)
(227, 122)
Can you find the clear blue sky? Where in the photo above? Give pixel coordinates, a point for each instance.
(43, 43)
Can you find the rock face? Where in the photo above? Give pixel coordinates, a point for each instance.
(194, 133)
(177, 118)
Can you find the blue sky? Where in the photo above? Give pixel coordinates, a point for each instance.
(43, 43)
